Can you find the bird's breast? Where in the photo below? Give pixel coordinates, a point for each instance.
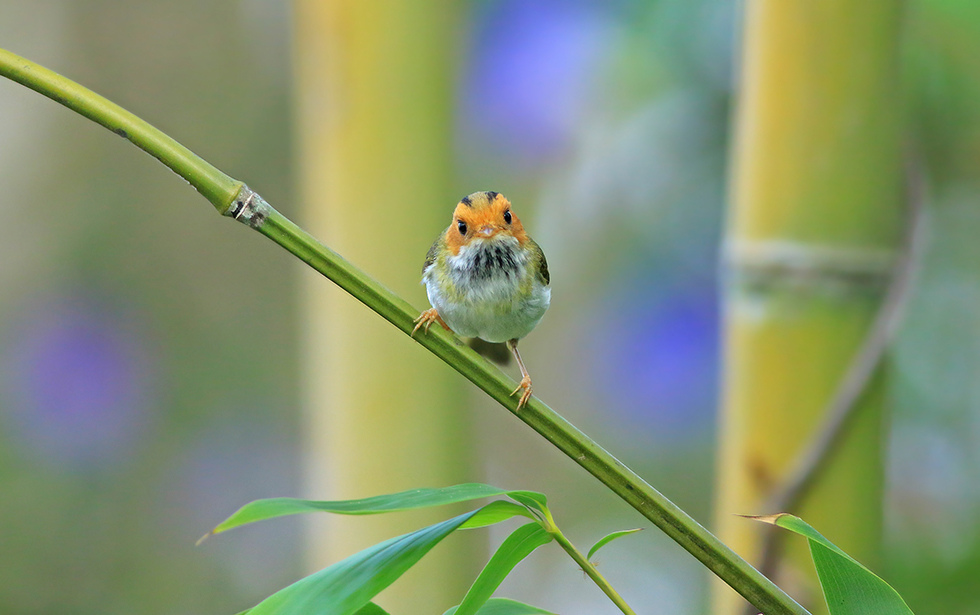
(489, 271)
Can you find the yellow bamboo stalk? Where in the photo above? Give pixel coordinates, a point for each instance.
(816, 217)
(374, 90)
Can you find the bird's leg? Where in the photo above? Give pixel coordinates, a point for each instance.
(525, 378)
(426, 319)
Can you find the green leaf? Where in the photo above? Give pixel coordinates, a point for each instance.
(371, 609)
(521, 543)
(501, 511)
(609, 538)
(503, 606)
(348, 585)
(532, 499)
(849, 587)
(260, 510)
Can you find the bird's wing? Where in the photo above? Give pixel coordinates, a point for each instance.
(433, 253)
(542, 264)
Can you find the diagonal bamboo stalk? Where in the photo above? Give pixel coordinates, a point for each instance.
(232, 198)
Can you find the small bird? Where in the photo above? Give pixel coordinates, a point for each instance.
(486, 278)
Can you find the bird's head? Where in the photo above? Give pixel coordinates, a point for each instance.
(482, 217)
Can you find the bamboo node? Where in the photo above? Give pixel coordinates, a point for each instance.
(792, 264)
(249, 208)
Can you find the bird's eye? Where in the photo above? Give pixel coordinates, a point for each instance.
(462, 227)
(507, 216)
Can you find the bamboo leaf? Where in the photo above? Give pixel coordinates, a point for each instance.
(521, 543)
(532, 499)
(347, 586)
(371, 609)
(271, 508)
(368, 609)
(609, 538)
(849, 587)
(501, 511)
(504, 606)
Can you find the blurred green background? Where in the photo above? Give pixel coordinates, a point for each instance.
(127, 319)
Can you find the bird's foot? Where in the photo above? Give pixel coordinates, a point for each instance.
(426, 319)
(526, 395)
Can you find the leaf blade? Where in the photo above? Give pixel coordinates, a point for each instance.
(849, 587)
(609, 538)
(371, 609)
(505, 606)
(517, 546)
(500, 511)
(270, 508)
(531, 499)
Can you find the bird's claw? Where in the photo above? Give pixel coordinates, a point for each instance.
(526, 395)
(425, 320)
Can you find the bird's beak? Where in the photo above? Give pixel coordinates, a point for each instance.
(488, 230)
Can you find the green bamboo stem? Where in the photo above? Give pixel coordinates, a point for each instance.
(234, 199)
(587, 566)
(593, 573)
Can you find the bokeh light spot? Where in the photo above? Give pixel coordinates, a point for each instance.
(75, 379)
(530, 75)
(658, 359)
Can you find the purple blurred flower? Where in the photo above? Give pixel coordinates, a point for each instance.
(659, 359)
(74, 383)
(532, 67)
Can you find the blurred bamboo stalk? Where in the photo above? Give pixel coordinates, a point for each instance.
(816, 218)
(374, 91)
